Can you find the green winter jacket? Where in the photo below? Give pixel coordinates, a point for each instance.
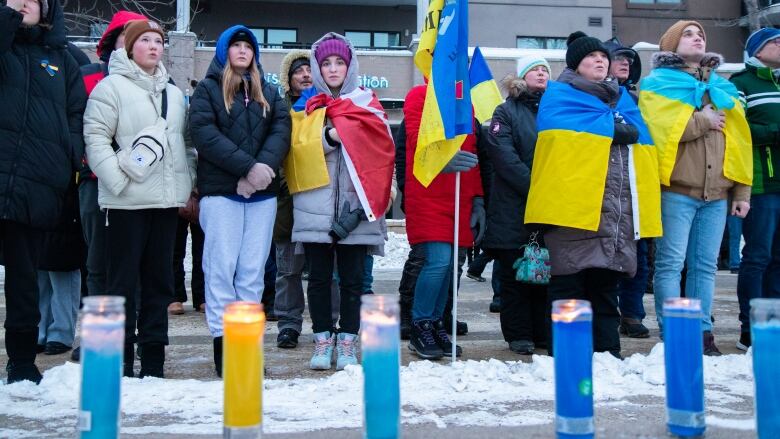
(760, 93)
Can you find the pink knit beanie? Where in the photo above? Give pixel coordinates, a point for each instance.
(333, 46)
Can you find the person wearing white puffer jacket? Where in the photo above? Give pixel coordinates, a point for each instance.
(141, 216)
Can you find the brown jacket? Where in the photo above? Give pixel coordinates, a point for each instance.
(698, 170)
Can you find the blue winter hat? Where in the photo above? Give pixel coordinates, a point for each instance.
(758, 39)
(235, 33)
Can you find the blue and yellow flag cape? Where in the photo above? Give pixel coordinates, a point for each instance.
(304, 166)
(485, 95)
(668, 99)
(572, 158)
(442, 57)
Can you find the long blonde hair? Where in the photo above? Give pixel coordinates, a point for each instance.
(232, 80)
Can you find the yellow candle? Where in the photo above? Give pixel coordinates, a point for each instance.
(242, 365)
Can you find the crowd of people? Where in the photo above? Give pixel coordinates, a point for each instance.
(106, 167)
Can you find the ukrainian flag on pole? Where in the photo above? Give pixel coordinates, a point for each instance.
(484, 91)
(447, 115)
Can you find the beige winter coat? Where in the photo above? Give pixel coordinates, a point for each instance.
(121, 105)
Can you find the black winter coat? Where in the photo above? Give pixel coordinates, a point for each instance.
(230, 144)
(43, 101)
(64, 248)
(511, 140)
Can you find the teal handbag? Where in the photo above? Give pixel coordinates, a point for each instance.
(534, 266)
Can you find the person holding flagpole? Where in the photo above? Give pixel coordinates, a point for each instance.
(594, 178)
(511, 140)
(340, 173)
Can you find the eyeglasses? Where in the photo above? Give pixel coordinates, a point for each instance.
(621, 58)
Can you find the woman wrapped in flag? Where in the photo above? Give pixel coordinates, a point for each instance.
(705, 159)
(595, 178)
(340, 171)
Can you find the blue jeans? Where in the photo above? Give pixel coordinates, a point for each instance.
(759, 274)
(632, 290)
(431, 291)
(693, 230)
(734, 224)
(60, 295)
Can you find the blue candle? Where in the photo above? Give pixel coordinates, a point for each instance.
(765, 334)
(683, 360)
(573, 355)
(102, 340)
(380, 340)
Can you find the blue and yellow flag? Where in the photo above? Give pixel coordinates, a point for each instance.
(447, 115)
(304, 166)
(572, 159)
(485, 95)
(668, 99)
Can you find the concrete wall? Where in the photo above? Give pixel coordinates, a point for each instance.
(497, 23)
(635, 23)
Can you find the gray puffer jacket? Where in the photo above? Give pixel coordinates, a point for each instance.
(315, 210)
(612, 246)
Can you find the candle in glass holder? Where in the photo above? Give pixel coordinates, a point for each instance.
(380, 341)
(573, 356)
(242, 369)
(765, 337)
(102, 342)
(683, 361)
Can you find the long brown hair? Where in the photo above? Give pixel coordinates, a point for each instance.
(232, 80)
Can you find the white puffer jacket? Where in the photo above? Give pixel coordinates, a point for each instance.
(121, 105)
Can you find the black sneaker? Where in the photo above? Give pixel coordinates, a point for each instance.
(23, 371)
(475, 277)
(218, 356)
(56, 348)
(522, 347)
(633, 328)
(495, 304)
(710, 349)
(443, 340)
(76, 354)
(744, 342)
(423, 343)
(462, 328)
(287, 338)
(270, 316)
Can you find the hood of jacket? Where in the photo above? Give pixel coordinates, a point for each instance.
(635, 70)
(517, 88)
(284, 68)
(107, 41)
(223, 44)
(49, 32)
(351, 82)
(120, 64)
(675, 61)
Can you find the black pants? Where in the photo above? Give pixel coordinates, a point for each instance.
(21, 249)
(197, 286)
(600, 287)
(269, 280)
(140, 249)
(351, 259)
(93, 224)
(411, 272)
(523, 306)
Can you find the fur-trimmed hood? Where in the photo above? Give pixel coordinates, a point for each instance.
(284, 69)
(514, 86)
(673, 60)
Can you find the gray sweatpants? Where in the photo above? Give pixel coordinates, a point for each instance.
(235, 249)
(289, 302)
(60, 295)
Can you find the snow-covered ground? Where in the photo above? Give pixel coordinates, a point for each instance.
(480, 393)
(396, 251)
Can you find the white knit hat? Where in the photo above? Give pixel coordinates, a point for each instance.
(526, 63)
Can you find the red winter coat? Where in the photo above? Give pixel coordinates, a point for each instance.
(430, 212)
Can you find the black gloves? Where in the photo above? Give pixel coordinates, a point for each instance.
(462, 161)
(347, 221)
(478, 220)
(625, 134)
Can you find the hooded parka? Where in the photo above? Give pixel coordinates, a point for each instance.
(43, 102)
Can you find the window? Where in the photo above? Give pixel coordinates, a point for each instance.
(96, 30)
(652, 2)
(275, 37)
(367, 39)
(541, 43)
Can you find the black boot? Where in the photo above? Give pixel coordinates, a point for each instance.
(21, 348)
(128, 360)
(153, 361)
(462, 327)
(423, 343)
(443, 340)
(218, 355)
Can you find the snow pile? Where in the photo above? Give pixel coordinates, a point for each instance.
(396, 252)
(476, 393)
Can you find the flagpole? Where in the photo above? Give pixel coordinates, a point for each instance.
(455, 269)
